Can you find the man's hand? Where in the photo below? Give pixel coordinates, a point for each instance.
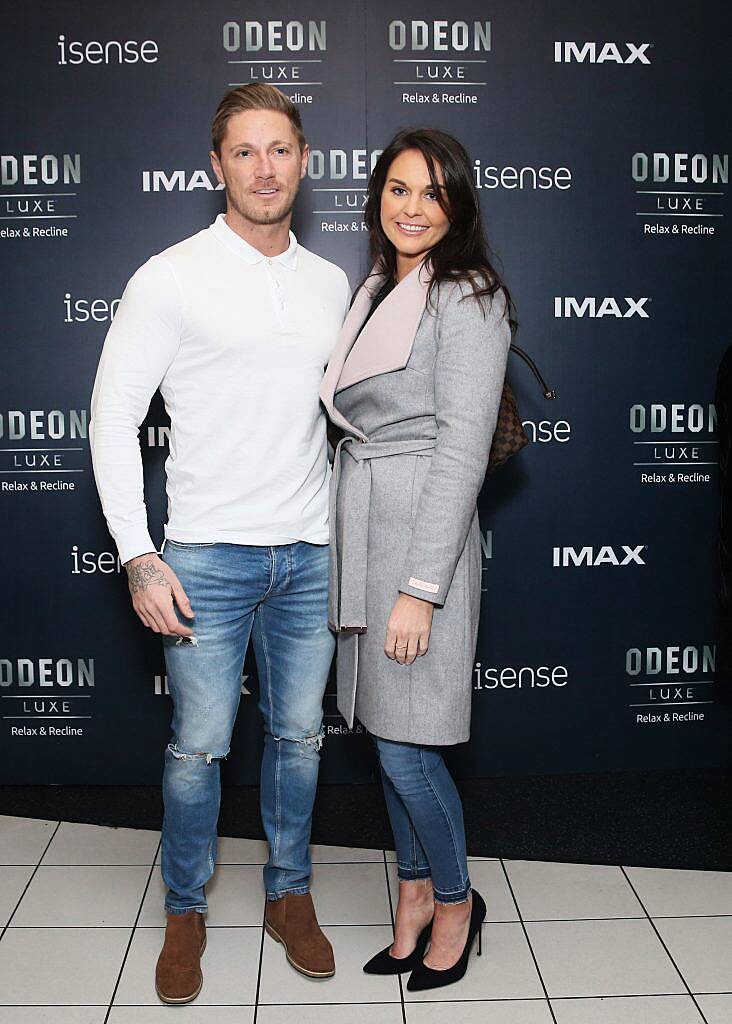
(408, 629)
(153, 586)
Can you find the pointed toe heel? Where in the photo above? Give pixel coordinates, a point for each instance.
(385, 963)
(424, 977)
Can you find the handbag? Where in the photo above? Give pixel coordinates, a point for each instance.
(509, 436)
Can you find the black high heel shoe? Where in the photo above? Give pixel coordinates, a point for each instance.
(385, 963)
(424, 977)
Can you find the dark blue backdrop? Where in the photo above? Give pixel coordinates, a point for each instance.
(596, 648)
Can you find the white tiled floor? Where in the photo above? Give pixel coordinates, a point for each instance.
(81, 927)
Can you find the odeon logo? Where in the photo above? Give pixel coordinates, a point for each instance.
(673, 418)
(39, 424)
(447, 54)
(671, 660)
(59, 455)
(339, 179)
(340, 164)
(593, 308)
(45, 690)
(275, 36)
(673, 437)
(440, 36)
(40, 169)
(681, 168)
(61, 172)
(592, 557)
(278, 52)
(666, 678)
(24, 673)
(566, 52)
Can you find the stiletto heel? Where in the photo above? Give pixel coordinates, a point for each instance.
(480, 939)
(385, 963)
(424, 977)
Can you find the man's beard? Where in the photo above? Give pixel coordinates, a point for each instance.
(256, 215)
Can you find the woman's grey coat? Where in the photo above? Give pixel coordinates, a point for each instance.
(418, 396)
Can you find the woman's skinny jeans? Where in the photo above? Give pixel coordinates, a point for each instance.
(426, 818)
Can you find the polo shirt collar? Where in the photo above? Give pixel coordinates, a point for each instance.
(248, 253)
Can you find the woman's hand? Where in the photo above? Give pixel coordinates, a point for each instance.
(408, 629)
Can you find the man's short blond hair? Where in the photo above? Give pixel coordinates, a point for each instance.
(256, 96)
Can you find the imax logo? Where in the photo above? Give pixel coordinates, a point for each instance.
(606, 555)
(600, 53)
(161, 688)
(178, 181)
(568, 306)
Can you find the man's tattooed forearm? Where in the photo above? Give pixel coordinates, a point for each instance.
(144, 575)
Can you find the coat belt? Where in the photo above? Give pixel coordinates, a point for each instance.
(350, 535)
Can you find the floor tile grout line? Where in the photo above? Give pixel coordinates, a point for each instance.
(90, 864)
(392, 1002)
(628, 882)
(640, 995)
(161, 927)
(27, 884)
(132, 934)
(668, 951)
(48, 845)
(117, 927)
(391, 915)
(259, 965)
(372, 924)
(528, 942)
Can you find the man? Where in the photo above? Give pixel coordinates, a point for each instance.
(234, 326)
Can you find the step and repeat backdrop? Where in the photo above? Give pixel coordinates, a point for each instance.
(600, 137)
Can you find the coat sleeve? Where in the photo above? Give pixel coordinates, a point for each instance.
(470, 366)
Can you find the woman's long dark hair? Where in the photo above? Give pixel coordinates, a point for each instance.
(463, 254)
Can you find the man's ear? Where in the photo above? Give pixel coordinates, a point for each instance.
(216, 164)
(304, 163)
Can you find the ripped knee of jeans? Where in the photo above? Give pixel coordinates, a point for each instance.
(187, 641)
(305, 744)
(199, 755)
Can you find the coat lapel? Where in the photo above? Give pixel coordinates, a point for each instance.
(355, 317)
(385, 343)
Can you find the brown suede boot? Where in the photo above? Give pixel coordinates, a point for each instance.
(178, 977)
(291, 920)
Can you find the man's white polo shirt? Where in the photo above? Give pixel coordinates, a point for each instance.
(237, 344)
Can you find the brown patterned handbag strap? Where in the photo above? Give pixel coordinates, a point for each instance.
(548, 392)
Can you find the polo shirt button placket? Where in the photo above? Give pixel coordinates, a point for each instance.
(279, 297)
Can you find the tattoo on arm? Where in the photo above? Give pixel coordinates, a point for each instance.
(144, 575)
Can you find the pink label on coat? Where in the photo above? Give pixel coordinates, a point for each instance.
(431, 588)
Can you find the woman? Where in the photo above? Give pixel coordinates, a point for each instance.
(415, 382)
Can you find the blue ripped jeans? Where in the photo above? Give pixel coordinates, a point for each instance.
(426, 818)
(279, 596)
